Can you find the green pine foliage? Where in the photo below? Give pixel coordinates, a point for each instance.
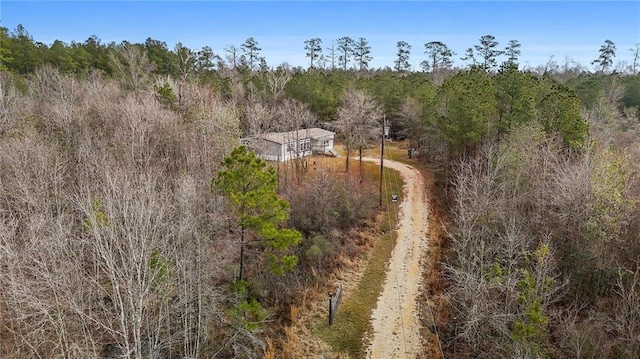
(465, 109)
(251, 187)
(560, 113)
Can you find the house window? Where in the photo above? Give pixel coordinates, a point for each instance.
(290, 147)
(305, 144)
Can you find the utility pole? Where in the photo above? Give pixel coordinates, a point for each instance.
(382, 156)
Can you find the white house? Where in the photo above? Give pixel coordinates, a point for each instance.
(283, 146)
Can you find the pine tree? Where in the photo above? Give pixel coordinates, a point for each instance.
(251, 188)
(345, 46)
(607, 53)
(402, 60)
(361, 51)
(314, 49)
(251, 51)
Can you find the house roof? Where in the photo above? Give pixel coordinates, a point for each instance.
(284, 137)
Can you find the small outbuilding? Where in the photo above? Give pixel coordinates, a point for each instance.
(283, 146)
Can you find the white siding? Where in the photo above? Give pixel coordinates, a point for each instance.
(285, 146)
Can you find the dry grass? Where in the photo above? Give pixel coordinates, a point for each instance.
(300, 339)
(348, 333)
(270, 350)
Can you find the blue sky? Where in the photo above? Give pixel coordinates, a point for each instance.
(572, 29)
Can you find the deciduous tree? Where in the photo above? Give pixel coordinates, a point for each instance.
(636, 57)
(358, 121)
(331, 55)
(132, 66)
(233, 55)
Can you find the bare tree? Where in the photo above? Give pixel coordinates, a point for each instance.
(412, 125)
(232, 56)
(296, 119)
(107, 226)
(627, 319)
(186, 64)
(636, 57)
(358, 121)
(132, 66)
(11, 104)
(277, 81)
(331, 56)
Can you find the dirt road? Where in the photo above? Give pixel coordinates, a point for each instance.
(395, 319)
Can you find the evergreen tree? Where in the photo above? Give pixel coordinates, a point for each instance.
(439, 56)
(402, 59)
(559, 111)
(251, 52)
(468, 55)
(513, 51)
(467, 106)
(487, 51)
(5, 53)
(25, 54)
(345, 46)
(251, 188)
(515, 98)
(314, 49)
(607, 53)
(98, 54)
(205, 60)
(59, 56)
(164, 60)
(361, 51)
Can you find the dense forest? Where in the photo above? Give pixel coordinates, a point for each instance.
(122, 214)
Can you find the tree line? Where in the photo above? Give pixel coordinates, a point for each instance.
(21, 54)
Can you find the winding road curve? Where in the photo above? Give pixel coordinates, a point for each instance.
(395, 320)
